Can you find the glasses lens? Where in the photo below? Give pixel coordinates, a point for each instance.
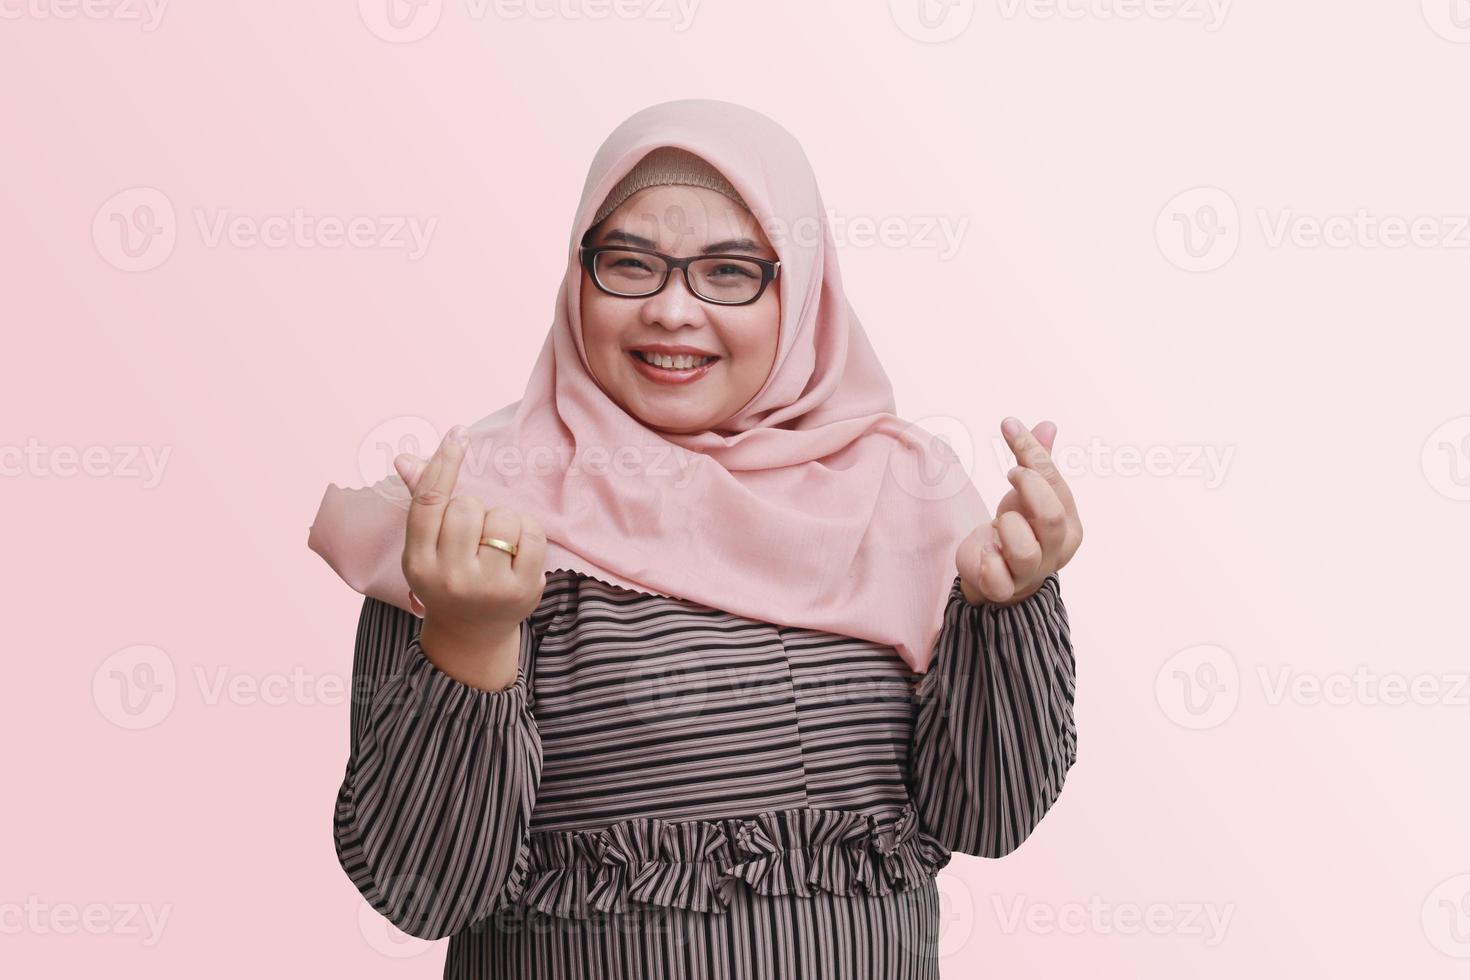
(630, 273)
(725, 280)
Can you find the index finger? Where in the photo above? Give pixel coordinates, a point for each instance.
(431, 495)
(1031, 454)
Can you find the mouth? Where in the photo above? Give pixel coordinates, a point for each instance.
(672, 368)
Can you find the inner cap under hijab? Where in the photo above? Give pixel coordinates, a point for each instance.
(667, 165)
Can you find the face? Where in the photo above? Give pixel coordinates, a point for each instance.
(681, 221)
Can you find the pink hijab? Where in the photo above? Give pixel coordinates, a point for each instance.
(814, 506)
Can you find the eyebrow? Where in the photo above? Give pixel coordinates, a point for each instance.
(729, 245)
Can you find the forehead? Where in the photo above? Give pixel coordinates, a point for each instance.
(679, 217)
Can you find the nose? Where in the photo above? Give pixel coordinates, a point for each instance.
(673, 306)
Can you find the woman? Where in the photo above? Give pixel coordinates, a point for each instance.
(695, 748)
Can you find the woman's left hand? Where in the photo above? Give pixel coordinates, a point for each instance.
(1035, 530)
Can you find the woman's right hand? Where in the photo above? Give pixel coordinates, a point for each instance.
(474, 596)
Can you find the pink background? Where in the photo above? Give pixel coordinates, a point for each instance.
(1119, 174)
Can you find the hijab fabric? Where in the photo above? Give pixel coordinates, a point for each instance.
(814, 506)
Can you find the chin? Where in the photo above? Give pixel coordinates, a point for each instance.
(675, 426)
(677, 422)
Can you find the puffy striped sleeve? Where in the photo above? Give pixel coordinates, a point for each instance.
(995, 733)
(434, 810)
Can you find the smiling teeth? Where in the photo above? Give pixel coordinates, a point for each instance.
(676, 362)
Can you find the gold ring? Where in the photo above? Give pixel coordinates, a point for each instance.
(504, 546)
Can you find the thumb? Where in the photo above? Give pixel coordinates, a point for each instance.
(410, 468)
(1045, 433)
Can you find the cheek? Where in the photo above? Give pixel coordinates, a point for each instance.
(758, 343)
(599, 332)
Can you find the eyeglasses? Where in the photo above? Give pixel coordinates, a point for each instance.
(726, 280)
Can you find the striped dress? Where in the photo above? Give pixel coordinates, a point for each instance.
(672, 791)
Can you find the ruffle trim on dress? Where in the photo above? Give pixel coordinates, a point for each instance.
(697, 864)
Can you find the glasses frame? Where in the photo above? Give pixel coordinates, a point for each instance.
(589, 253)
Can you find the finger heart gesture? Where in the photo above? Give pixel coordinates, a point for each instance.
(1035, 530)
(470, 567)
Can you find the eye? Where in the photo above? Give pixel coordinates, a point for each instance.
(733, 270)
